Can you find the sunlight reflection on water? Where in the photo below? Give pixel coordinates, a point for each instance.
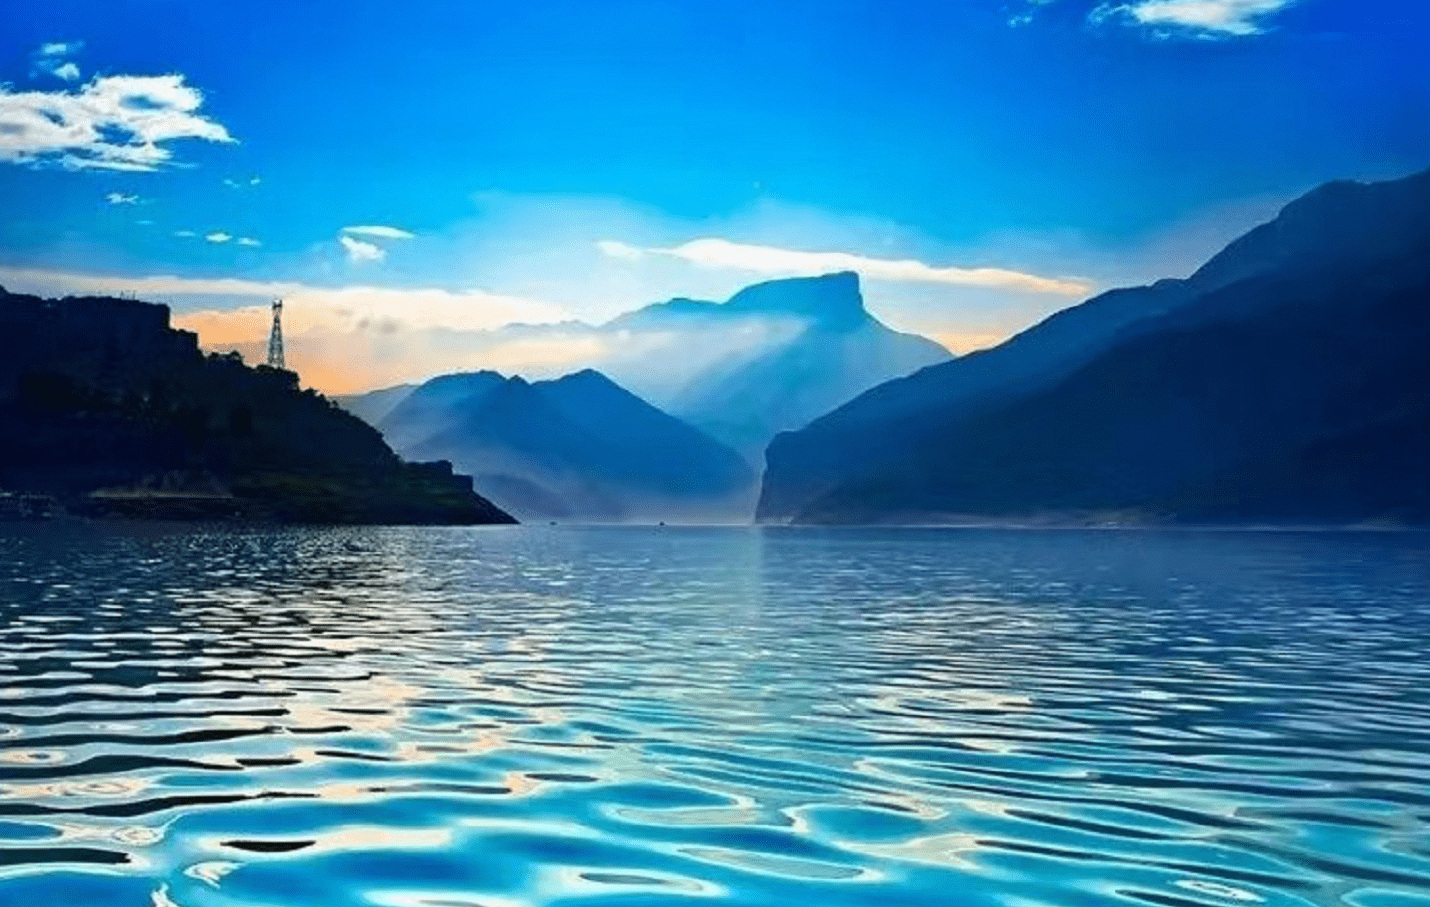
(659, 716)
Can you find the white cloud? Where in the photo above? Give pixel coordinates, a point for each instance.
(359, 251)
(218, 237)
(145, 223)
(1199, 18)
(187, 234)
(1017, 20)
(613, 249)
(119, 198)
(248, 241)
(111, 123)
(379, 232)
(240, 184)
(50, 59)
(771, 260)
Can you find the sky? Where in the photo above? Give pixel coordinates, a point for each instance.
(422, 169)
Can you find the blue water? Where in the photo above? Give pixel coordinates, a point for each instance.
(654, 717)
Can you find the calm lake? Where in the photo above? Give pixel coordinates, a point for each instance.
(676, 716)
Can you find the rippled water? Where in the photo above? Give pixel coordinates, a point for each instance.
(680, 716)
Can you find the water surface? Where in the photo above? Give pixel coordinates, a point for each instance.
(653, 717)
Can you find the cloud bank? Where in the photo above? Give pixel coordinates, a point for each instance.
(425, 307)
(343, 338)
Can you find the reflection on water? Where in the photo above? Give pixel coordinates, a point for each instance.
(678, 716)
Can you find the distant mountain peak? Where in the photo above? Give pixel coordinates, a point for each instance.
(594, 388)
(830, 299)
(584, 376)
(461, 379)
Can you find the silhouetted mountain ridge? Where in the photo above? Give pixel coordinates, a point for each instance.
(1260, 389)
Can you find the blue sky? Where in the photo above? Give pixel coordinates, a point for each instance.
(544, 160)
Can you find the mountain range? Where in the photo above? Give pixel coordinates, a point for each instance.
(575, 448)
(1286, 381)
(771, 358)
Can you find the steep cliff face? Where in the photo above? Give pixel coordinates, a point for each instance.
(100, 395)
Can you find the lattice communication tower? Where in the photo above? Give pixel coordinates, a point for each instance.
(275, 339)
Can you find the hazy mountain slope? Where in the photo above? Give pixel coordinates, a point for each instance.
(821, 347)
(579, 447)
(373, 406)
(771, 358)
(512, 436)
(432, 406)
(643, 446)
(790, 385)
(1280, 358)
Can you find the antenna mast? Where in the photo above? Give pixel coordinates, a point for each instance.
(275, 339)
